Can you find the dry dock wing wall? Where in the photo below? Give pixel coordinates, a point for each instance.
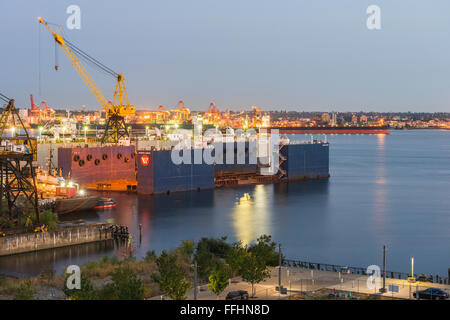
(241, 151)
(305, 161)
(111, 167)
(158, 174)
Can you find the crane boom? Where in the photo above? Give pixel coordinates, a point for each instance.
(119, 107)
(76, 63)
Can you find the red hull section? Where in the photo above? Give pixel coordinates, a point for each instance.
(109, 167)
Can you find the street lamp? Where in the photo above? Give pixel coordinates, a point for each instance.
(13, 130)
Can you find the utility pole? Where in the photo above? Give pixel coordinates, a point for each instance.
(195, 280)
(382, 290)
(279, 269)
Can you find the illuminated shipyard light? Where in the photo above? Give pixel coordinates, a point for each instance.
(82, 192)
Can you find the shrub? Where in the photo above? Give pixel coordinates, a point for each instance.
(86, 291)
(126, 285)
(25, 291)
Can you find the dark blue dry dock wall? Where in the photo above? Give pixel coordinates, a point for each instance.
(161, 175)
(305, 161)
(241, 150)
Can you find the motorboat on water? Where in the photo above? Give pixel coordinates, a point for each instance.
(105, 203)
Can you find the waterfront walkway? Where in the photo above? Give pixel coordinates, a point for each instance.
(300, 280)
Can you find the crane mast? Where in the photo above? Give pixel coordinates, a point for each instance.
(117, 109)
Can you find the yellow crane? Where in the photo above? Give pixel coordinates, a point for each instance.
(119, 108)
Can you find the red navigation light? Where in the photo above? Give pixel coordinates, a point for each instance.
(145, 160)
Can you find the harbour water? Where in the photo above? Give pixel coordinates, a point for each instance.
(388, 190)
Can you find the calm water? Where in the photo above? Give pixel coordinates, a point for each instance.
(389, 190)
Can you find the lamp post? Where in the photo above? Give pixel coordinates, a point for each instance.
(13, 130)
(383, 289)
(40, 132)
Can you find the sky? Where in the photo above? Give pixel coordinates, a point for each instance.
(315, 55)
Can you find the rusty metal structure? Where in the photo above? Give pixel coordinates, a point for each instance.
(17, 174)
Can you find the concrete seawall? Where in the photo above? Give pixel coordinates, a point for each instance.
(64, 236)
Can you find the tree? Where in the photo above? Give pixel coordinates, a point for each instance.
(234, 257)
(126, 285)
(253, 269)
(218, 279)
(187, 248)
(210, 251)
(266, 249)
(172, 279)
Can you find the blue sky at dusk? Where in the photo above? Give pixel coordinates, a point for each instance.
(315, 55)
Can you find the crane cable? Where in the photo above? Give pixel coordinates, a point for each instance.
(4, 98)
(90, 59)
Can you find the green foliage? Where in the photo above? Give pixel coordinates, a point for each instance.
(48, 274)
(253, 269)
(5, 222)
(251, 262)
(86, 291)
(208, 253)
(187, 248)
(106, 260)
(217, 246)
(266, 249)
(126, 285)
(218, 279)
(172, 279)
(234, 257)
(25, 291)
(150, 256)
(47, 217)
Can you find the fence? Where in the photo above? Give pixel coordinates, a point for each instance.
(362, 271)
(306, 281)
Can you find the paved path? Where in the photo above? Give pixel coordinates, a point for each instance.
(297, 280)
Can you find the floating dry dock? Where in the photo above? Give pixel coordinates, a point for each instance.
(152, 171)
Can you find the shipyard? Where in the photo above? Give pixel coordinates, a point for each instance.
(50, 163)
(220, 151)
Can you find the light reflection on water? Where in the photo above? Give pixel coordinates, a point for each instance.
(251, 215)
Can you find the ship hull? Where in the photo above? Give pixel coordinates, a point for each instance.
(69, 205)
(332, 130)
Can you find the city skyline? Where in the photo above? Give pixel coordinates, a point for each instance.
(301, 56)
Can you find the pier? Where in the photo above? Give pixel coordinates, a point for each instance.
(62, 237)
